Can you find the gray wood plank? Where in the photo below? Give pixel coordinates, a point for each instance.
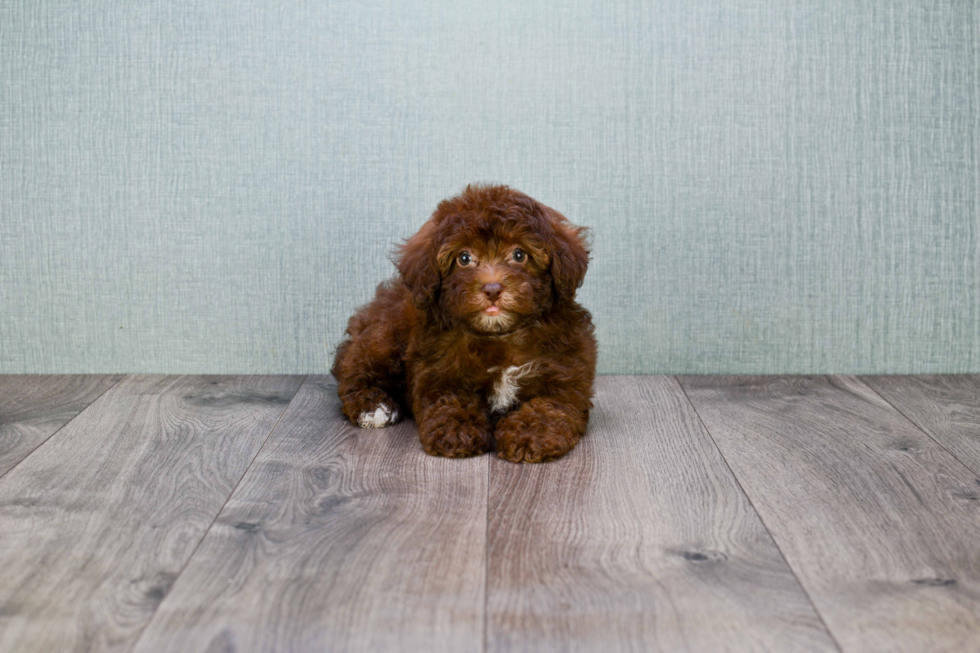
(639, 540)
(880, 524)
(338, 538)
(33, 407)
(947, 407)
(97, 523)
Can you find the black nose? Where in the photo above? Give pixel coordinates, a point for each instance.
(492, 291)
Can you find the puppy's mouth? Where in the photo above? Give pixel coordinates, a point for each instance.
(494, 319)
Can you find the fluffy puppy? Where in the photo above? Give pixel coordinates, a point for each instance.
(479, 336)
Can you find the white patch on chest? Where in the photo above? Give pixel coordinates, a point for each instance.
(382, 416)
(504, 393)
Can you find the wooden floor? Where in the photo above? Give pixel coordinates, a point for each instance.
(221, 514)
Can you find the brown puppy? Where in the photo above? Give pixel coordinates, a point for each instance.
(479, 336)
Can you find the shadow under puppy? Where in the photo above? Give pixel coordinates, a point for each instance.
(479, 337)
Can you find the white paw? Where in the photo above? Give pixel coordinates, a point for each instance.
(380, 417)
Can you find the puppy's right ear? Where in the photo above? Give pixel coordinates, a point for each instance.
(418, 265)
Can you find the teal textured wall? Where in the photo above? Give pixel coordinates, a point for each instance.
(214, 186)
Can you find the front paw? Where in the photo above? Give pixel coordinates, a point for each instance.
(454, 439)
(378, 418)
(370, 408)
(529, 436)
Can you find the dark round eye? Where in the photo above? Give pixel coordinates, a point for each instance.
(465, 258)
(519, 255)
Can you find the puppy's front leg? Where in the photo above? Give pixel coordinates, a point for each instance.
(452, 424)
(541, 429)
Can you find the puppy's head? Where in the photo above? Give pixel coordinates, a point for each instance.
(493, 259)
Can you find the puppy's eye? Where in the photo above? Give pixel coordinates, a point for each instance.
(465, 258)
(519, 255)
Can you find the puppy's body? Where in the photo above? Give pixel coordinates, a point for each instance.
(479, 337)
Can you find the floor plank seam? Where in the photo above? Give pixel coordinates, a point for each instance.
(59, 429)
(486, 562)
(486, 559)
(217, 514)
(762, 521)
(916, 425)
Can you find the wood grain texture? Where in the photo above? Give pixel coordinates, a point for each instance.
(98, 522)
(880, 524)
(338, 538)
(640, 539)
(947, 407)
(33, 407)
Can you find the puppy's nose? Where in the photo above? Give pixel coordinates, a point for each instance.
(492, 291)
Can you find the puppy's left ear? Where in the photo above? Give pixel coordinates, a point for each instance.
(569, 254)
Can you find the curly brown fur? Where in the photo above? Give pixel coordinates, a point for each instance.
(479, 336)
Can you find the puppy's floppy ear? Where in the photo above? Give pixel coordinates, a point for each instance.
(417, 263)
(569, 253)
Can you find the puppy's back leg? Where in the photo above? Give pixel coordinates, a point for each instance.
(368, 368)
